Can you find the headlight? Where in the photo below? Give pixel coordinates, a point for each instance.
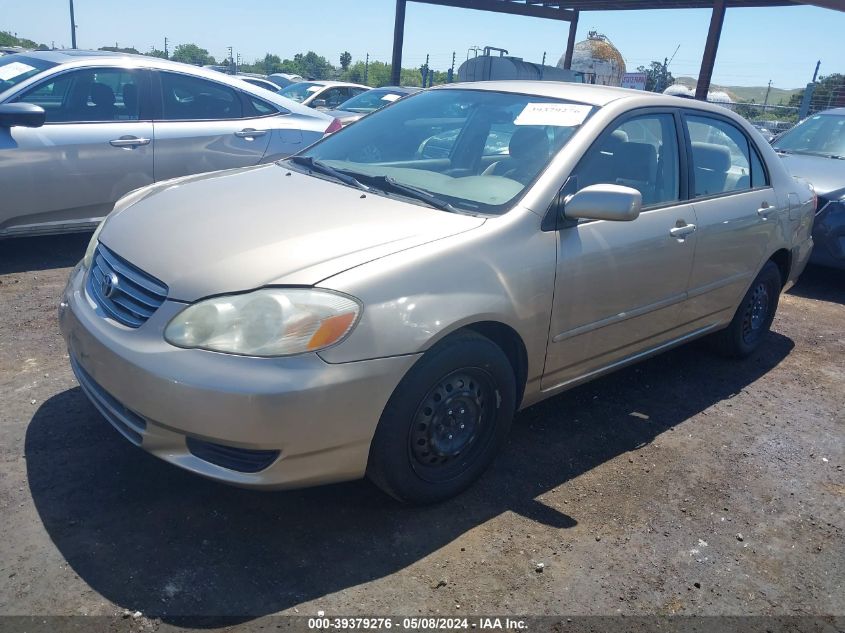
(92, 245)
(267, 322)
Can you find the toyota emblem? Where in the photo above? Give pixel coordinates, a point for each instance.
(108, 285)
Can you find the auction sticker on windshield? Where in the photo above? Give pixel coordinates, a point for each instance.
(558, 114)
(390, 97)
(15, 69)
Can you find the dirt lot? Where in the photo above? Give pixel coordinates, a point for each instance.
(686, 485)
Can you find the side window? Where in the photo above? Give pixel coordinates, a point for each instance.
(721, 157)
(89, 96)
(335, 96)
(262, 108)
(642, 153)
(186, 98)
(758, 173)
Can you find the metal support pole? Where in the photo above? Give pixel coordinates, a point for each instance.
(709, 58)
(72, 27)
(398, 39)
(570, 43)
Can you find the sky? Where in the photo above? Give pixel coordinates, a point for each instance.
(781, 44)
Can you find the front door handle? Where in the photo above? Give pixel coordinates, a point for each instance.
(764, 210)
(129, 141)
(250, 133)
(682, 231)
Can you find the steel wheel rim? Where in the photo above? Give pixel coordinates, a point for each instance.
(453, 424)
(756, 313)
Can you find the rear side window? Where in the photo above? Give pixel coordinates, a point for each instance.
(186, 98)
(723, 159)
(262, 108)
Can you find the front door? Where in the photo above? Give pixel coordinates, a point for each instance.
(96, 145)
(620, 286)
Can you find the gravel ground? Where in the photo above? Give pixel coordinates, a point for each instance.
(687, 485)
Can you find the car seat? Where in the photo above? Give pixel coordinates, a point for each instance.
(712, 163)
(528, 151)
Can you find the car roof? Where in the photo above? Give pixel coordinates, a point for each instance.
(80, 59)
(839, 111)
(591, 94)
(328, 82)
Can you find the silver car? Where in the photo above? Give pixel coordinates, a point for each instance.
(80, 129)
(361, 309)
(815, 149)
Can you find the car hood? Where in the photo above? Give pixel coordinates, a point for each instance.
(242, 229)
(826, 174)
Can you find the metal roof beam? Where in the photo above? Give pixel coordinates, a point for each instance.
(526, 8)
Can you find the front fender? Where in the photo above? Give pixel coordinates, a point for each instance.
(504, 271)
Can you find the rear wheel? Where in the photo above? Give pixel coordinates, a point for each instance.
(445, 421)
(754, 317)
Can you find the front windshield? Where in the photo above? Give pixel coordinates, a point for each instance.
(299, 92)
(476, 150)
(821, 134)
(370, 101)
(15, 69)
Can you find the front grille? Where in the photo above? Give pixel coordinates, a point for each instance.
(128, 423)
(243, 460)
(125, 293)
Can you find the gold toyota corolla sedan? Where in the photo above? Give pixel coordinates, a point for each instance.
(382, 304)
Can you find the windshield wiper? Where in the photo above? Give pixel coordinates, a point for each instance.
(388, 184)
(322, 168)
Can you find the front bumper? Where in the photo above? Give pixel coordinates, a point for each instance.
(319, 417)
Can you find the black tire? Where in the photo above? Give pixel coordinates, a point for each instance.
(445, 421)
(753, 317)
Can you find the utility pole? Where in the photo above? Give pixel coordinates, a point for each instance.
(166, 54)
(231, 61)
(366, 68)
(806, 100)
(542, 65)
(766, 100)
(72, 27)
(451, 74)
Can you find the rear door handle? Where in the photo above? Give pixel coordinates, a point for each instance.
(682, 231)
(129, 141)
(250, 133)
(764, 210)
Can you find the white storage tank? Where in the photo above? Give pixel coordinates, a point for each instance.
(598, 59)
(495, 67)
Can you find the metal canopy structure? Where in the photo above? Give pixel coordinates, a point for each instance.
(568, 11)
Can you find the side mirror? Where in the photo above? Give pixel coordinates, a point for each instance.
(604, 202)
(22, 114)
(318, 103)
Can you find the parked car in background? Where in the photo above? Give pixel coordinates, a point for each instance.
(324, 95)
(259, 82)
(388, 317)
(80, 129)
(283, 80)
(815, 150)
(369, 101)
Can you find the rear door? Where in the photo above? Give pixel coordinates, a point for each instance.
(737, 212)
(96, 145)
(202, 125)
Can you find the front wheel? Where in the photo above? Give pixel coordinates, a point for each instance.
(445, 421)
(754, 317)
